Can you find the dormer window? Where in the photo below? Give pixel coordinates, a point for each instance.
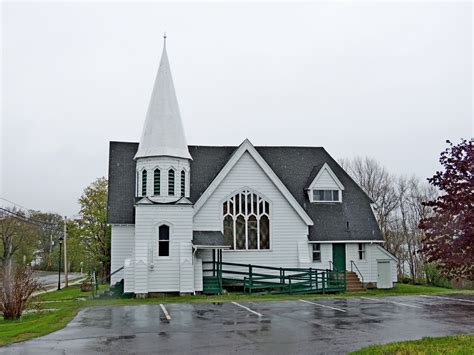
(324, 185)
(326, 195)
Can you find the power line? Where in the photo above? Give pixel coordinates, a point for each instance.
(28, 219)
(14, 203)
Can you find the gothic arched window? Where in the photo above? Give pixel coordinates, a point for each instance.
(246, 221)
(144, 183)
(183, 183)
(171, 182)
(156, 182)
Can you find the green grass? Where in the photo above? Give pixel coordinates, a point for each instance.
(458, 344)
(37, 324)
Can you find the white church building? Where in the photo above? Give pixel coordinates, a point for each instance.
(173, 208)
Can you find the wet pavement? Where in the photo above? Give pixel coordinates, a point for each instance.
(50, 278)
(311, 326)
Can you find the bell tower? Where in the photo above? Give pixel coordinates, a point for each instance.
(163, 159)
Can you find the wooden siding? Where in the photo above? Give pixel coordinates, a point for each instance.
(367, 267)
(286, 226)
(325, 182)
(122, 243)
(164, 164)
(198, 274)
(326, 256)
(165, 274)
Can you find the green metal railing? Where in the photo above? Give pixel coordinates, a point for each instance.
(259, 278)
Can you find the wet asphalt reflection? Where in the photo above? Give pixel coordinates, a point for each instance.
(311, 326)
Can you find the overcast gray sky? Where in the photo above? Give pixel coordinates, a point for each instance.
(390, 81)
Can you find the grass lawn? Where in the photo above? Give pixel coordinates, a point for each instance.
(66, 306)
(457, 344)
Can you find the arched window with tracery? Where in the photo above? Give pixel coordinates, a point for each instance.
(246, 221)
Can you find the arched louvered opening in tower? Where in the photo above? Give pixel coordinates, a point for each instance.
(183, 183)
(157, 182)
(144, 182)
(171, 182)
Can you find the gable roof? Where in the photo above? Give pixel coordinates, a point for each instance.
(246, 146)
(318, 171)
(292, 165)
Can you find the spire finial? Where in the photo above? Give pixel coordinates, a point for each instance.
(164, 38)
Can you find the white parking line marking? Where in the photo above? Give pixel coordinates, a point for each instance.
(248, 309)
(449, 298)
(382, 300)
(322, 305)
(167, 315)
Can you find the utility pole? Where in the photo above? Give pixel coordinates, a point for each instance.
(65, 253)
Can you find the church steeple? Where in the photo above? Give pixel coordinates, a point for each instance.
(163, 133)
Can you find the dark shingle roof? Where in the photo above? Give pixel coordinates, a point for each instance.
(208, 238)
(294, 166)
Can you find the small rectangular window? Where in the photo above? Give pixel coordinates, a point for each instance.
(316, 252)
(326, 195)
(361, 251)
(164, 241)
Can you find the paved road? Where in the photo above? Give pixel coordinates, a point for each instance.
(50, 278)
(313, 326)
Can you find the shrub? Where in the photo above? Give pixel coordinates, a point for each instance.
(17, 286)
(434, 277)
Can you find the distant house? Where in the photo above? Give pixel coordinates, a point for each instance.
(173, 207)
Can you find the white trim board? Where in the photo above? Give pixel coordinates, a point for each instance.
(343, 241)
(246, 146)
(330, 172)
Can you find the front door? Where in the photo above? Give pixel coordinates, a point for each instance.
(339, 256)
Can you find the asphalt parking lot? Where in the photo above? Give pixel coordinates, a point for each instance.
(309, 326)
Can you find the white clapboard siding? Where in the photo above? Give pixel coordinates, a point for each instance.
(186, 268)
(368, 267)
(326, 256)
(164, 164)
(198, 274)
(286, 226)
(129, 276)
(165, 274)
(325, 181)
(122, 243)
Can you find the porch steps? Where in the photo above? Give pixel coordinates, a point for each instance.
(353, 282)
(211, 285)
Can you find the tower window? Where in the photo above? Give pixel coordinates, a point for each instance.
(183, 182)
(164, 240)
(144, 183)
(171, 182)
(156, 182)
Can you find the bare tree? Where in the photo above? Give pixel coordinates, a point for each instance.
(378, 184)
(398, 208)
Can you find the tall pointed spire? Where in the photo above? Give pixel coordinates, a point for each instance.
(163, 133)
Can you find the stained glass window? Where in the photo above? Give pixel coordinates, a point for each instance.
(246, 221)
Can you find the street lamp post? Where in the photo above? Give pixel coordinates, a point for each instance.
(59, 266)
